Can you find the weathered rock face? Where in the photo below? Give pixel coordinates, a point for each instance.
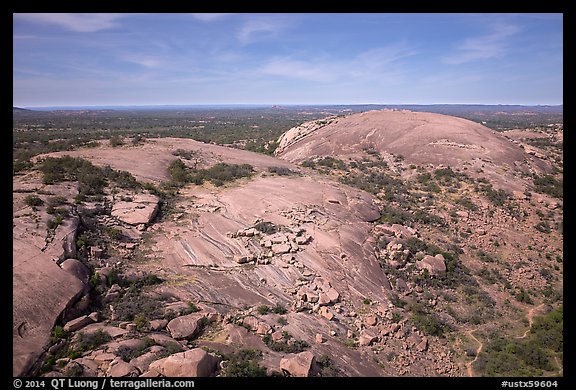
(141, 210)
(297, 364)
(193, 363)
(41, 289)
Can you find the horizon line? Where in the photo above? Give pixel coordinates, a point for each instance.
(276, 105)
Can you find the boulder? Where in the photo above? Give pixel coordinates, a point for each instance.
(77, 269)
(251, 323)
(422, 345)
(333, 295)
(367, 337)
(298, 365)
(158, 324)
(280, 249)
(434, 264)
(242, 259)
(325, 312)
(120, 369)
(193, 363)
(371, 320)
(77, 323)
(186, 326)
(263, 328)
(164, 340)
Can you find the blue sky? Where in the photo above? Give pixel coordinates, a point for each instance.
(292, 58)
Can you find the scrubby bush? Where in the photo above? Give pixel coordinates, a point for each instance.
(185, 154)
(266, 227)
(178, 172)
(428, 322)
(33, 200)
(281, 171)
(548, 184)
(89, 341)
(116, 141)
(279, 309)
(530, 356)
(244, 363)
(263, 309)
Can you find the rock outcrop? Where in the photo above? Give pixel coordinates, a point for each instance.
(193, 363)
(434, 264)
(140, 210)
(299, 364)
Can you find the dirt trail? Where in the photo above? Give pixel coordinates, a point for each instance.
(531, 314)
(469, 368)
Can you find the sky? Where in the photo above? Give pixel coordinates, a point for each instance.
(287, 58)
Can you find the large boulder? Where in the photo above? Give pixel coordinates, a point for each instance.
(297, 364)
(186, 326)
(434, 264)
(77, 323)
(193, 363)
(77, 269)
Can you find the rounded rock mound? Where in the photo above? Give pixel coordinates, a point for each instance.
(420, 137)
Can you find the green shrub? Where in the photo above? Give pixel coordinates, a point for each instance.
(263, 309)
(116, 140)
(142, 323)
(281, 171)
(466, 203)
(178, 172)
(185, 154)
(244, 363)
(279, 309)
(33, 200)
(548, 184)
(58, 333)
(191, 308)
(90, 341)
(266, 227)
(54, 223)
(327, 368)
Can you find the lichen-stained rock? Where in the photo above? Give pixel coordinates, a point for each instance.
(193, 363)
(297, 364)
(141, 210)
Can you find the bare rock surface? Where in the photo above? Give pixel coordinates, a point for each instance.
(35, 274)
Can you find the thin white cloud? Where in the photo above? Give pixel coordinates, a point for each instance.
(376, 64)
(145, 61)
(209, 17)
(74, 22)
(286, 67)
(254, 29)
(493, 45)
